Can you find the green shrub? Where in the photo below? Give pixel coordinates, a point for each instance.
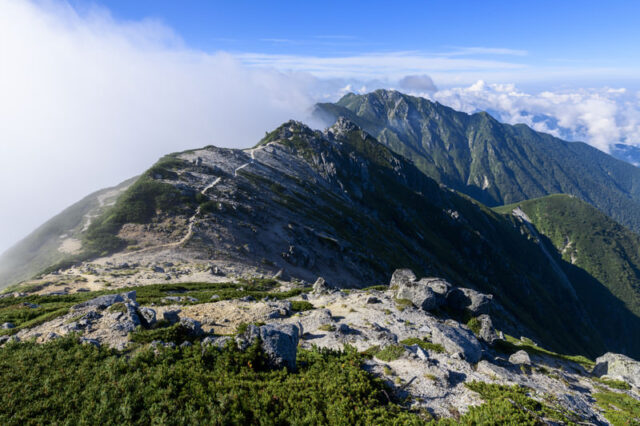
(301, 305)
(474, 325)
(63, 382)
(615, 384)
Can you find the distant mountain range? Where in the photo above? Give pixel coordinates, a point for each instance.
(395, 181)
(494, 163)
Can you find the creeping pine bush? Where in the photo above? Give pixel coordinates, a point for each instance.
(66, 382)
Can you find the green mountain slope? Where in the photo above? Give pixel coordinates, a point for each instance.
(589, 240)
(46, 245)
(492, 162)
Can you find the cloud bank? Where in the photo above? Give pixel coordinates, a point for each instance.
(601, 117)
(87, 101)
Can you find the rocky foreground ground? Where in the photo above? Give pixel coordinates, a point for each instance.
(426, 338)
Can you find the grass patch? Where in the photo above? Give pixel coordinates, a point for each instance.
(327, 327)
(512, 345)
(402, 304)
(619, 408)
(117, 307)
(390, 353)
(424, 344)
(615, 384)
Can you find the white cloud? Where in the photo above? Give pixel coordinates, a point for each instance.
(87, 101)
(600, 117)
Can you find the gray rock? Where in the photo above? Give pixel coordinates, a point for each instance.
(216, 341)
(520, 358)
(4, 339)
(149, 316)
(467, 299)
(487, 331)
(280, 343)
(7, 325)
(194, 327)
(316, 318)
(107, 300)
(215, 297)
(86, 341)
(373, 300)
(172, 299)
(438, 285)
(186, 344)
(457, 340)
(418, 293)
(171, 316)
(401, 276)
(321, 287)
(158, 269)
(247, 299)
(618, 366)
(51, 336)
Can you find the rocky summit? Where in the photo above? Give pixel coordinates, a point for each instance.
(324, 260)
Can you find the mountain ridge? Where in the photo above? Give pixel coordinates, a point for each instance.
(492, 162)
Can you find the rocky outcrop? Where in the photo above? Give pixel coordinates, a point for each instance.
(107, 300)
(520, 358)
(403, 285)
(457, 341)
(618, 366)
(279, 342)
(470, 300)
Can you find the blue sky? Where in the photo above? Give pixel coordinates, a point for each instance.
(94, 92)
(548, 36)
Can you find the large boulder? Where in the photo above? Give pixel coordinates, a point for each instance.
(280, 343)
(457, 341)
(438, 285)
(520, 358)
(194, 327)
(107, 300)
(401, 276)
(321, 287)
(473, 301)
(418, 293)
(618, 366)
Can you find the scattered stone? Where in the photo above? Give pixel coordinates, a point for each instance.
(149, 316)
(30, 305)
(51, 336)
(186, 344)
(217, 341)
(618, 366)
(520, 358)
(172, 299)
(373, 300)
(215, 297)
(83, 290)
(7, 325)
(247, 299)
(158, 269)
